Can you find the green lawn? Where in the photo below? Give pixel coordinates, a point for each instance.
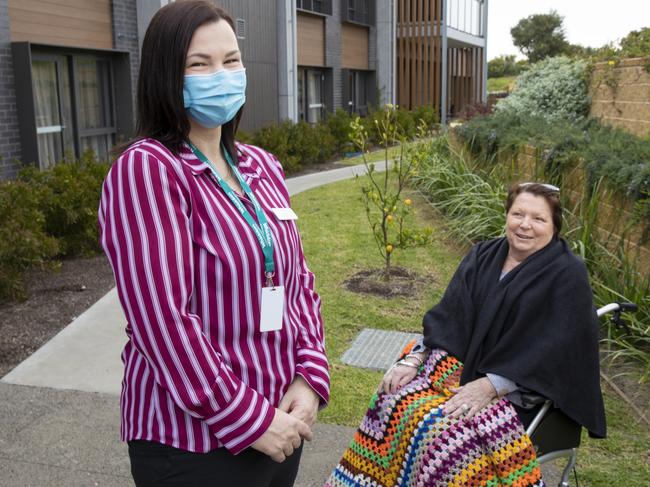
(507, 83)
(338, 243)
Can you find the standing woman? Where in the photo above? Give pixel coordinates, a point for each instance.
(225, 364)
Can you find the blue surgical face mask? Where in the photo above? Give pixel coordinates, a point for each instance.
(214, 99)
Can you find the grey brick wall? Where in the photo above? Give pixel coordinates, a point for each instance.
(125, 37)
(9, 132)
(333, 52)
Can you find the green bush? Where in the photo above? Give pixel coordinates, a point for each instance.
(425, 114)
(23, 241)
(301, 144)
(311, 144)
(339, 126)
(555, 88)
(68, 195)
(606, 152)
(275, 139)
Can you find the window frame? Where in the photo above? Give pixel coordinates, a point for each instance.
(120, 102)
(303, 88)
(308, 6)
(366, 17)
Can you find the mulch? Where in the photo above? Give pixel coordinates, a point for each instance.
(55, 298)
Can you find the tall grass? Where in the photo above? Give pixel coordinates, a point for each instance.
(473, 202)
(472, 199)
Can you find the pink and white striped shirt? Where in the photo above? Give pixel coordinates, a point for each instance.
(189, 272)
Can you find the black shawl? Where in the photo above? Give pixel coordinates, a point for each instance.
(537, 326)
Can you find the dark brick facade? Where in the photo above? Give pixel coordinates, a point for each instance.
(9, 133)
(125, 36)
(333, 53)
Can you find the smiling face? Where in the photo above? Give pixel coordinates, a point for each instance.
(213, 48)
(529, 225)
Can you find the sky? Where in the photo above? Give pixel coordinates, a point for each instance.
(587, 22)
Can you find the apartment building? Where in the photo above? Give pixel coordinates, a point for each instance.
(68, 68)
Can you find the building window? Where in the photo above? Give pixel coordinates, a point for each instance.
(73, 106)
(311, 91)
(359, 11)
(317, 6)
(358, 90)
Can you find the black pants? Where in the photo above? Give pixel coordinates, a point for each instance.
(154, 464)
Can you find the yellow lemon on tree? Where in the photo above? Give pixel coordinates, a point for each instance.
(407, 202)
(389, 218)
(389, 248)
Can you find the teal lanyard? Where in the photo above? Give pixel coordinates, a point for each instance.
(261, 231)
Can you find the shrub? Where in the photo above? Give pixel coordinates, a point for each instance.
(339, 126)
(621, 158)
(68, 196)
(311, 144)
(275, 139)
(474, 110)
(425, 114)
(23, 241)
(555, 88)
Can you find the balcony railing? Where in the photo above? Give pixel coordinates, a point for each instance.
(318, 6)
(466, 16)
(358, 11)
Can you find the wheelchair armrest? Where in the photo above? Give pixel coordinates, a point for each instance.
(532, 398)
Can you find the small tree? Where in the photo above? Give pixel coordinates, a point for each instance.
(540, 36)
(382, 194)
(506, 65)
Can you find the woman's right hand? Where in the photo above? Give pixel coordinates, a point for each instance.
(396, 377)
(282, 437)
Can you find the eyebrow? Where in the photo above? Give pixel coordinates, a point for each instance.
(207, 56)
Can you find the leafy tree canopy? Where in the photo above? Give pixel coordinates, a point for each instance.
(540, 36)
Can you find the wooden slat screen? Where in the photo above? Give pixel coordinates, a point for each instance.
(419, 61)
(419, 53)
(354, 47)
(77, 23)
(310, 31)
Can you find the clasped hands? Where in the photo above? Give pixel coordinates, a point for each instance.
(467, 400)
(292, 422)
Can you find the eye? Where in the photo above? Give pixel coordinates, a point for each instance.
(232, 61)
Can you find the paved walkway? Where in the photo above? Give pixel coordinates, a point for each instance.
(59, 409)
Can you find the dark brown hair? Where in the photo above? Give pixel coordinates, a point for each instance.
(552, 197)
(161, 111)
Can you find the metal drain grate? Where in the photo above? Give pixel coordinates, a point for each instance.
(376, 349)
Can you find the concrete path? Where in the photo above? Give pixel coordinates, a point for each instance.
(59, 409)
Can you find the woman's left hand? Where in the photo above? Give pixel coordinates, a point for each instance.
(470, 398)
(301, 401)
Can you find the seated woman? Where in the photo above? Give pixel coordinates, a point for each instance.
(516, 317)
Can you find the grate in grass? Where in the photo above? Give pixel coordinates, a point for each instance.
(376, 349)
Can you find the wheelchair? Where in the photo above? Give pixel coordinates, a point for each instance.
(554, 435)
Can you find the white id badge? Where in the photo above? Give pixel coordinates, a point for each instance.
(272, 308)
(284, 213)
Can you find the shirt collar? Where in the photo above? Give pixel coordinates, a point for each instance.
(245, 163)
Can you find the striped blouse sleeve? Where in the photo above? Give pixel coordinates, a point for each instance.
(312, 362)
(145, 232)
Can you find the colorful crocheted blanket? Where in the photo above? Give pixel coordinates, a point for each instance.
(406, 440)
